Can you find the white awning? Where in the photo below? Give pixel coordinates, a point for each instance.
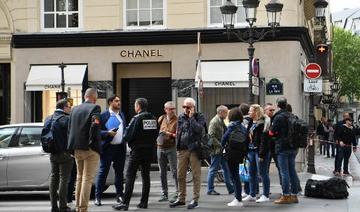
(225, 74)
(48, 77)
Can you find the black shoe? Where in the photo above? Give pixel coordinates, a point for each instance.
(67, 209)
(142, 205)
(97, 202)
(119, 199)
(213, 192)
(193, 205)
(120, 207)
(176, 203)
(55, 209)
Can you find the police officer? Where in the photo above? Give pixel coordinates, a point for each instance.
(141, 138)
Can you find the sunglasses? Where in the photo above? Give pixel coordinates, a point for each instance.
(170, 108)
(272, 110)
(187, 107)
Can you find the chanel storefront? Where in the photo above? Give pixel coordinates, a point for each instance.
(158, 65)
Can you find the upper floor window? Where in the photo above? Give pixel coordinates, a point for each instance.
(61, 14)
(355, 26)
(215, 16)
(338, 23)
(144, 13)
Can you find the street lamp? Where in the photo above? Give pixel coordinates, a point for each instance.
(320, 9)
(251, 35)
(62, 94)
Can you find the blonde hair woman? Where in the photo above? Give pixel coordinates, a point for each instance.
(259, 155)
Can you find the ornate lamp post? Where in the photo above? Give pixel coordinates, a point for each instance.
(251, 35)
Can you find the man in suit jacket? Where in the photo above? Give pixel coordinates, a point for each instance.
(84, 140)
(113, 149)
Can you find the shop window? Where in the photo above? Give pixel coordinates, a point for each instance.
(61, 14)
(215, 16)
(144, 13)
(49, 101)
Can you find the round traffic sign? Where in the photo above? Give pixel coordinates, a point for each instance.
(312, 71)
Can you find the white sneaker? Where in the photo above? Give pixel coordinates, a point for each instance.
(263, 198)
(249, 198)
(235, 203)
(243, 195)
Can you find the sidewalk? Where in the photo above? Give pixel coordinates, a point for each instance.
(324, 168)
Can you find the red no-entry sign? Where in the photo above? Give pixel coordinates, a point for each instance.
(312, 71)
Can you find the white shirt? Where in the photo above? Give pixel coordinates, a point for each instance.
(118, 138)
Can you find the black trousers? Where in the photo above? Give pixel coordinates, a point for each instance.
(138, 158)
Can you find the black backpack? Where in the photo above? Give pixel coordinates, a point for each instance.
(333, 188)
(237, 144)
(297, 132)
(48, 136)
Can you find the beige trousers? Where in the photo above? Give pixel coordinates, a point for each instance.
(87, 162)
(186, 159)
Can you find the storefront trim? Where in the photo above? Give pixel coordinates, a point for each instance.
(155, 37)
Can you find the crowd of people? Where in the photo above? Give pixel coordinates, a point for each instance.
(96, 140)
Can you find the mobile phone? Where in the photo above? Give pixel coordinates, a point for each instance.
(115, 129)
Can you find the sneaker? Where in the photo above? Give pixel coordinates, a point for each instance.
(173, 198)
(294, 199)
(163, 198)
(249, 198)
(243, 195)
(235, 203)
(193, 204)
(97, 202)
(263, 198)
(337, 174)
(284, 200)
(213, 192)
(176, 203)
(119, 199)
(120, 207)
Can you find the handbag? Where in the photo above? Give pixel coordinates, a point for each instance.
(161, 138)
(244, 171)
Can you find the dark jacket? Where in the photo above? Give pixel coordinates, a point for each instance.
(61, 131)
(84, 127)
(265, 146)
(279, 130)
(142, 131)
(191, 127)
(235, 155)
(105, 137)
(256, 134)
(347, 135)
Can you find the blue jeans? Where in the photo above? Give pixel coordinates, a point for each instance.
(217, 161)
(115, 155)
(253, 157)
(288, 173)
(235, 177)
(264, 173)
